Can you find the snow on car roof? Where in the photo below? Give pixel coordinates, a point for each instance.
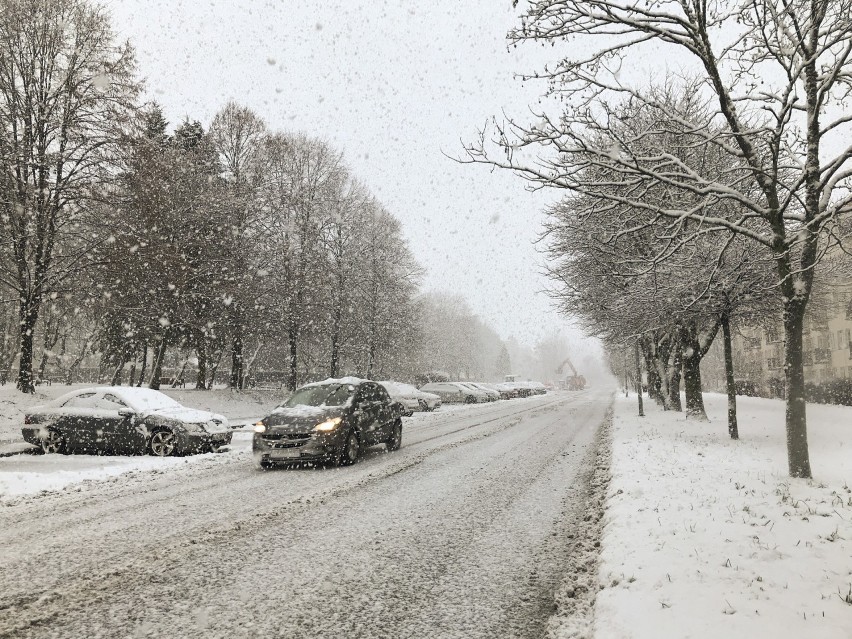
(354, 381)
(139, 397)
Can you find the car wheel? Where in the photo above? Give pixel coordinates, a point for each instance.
(163, 443)
(470, 399)
(395, 441)
(423, 405)
(53, 442)
(264, 465)
(351, 450)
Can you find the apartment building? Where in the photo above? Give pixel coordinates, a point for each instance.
(827, 344)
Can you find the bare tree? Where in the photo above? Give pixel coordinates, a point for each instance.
(237, 134)
(300, 181)
(776, 72)
(66, 90)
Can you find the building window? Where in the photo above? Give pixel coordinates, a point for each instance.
(773, 363)
(752, 342)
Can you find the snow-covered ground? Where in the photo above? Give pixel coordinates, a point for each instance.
(22, 475)
(463, 532)
(708, 537)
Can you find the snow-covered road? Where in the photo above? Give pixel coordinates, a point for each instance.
(461, 533)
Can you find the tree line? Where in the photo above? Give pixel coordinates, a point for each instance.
(216, 251)
(692, 198)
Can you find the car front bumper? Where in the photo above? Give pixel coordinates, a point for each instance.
(195, 442)
(283, 450)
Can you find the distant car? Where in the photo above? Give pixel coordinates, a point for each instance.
(493, 394)
(330, 421)
(481, 394)
(410, 398)
(455, 392)
(503, 390)
(124, 420)
(519, 389)
(537, 388)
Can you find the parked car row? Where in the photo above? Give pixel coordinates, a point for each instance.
(331, 421)
(477, 392)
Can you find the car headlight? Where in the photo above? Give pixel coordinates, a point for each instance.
(260, 427)
(329, 424)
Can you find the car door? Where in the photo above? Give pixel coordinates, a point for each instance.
(79, 433)
(386, 414)
(118, 422)
(457, 393)
(368, 413)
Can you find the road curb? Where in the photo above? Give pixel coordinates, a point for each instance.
(18, 448)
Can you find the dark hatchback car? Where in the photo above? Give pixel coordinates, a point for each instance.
(123, 420)
(330, 421)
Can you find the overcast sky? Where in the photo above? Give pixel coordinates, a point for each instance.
(394, 85)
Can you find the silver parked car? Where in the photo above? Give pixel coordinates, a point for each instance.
(410, 398)
(455, 393)
(493, 394)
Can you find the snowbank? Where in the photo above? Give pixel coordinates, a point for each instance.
(707, 537)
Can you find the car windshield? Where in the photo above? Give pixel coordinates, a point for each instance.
(143, 399)
(321, 395)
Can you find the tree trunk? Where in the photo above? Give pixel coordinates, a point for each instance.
(293, 341)
(178, 379)
(116, 376)
(249, 365)
(215, 368)
(42, 364)
(648, 347)
(692, 388)
(733, 429)
(371, 360)
(144, 363)
(335, 341)
(157, 367)
(236, 380)
(675, 372)
(28, 313)
(131, 376)
(201, 376)
(638, 377)
(69, 375)
(798, 458)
